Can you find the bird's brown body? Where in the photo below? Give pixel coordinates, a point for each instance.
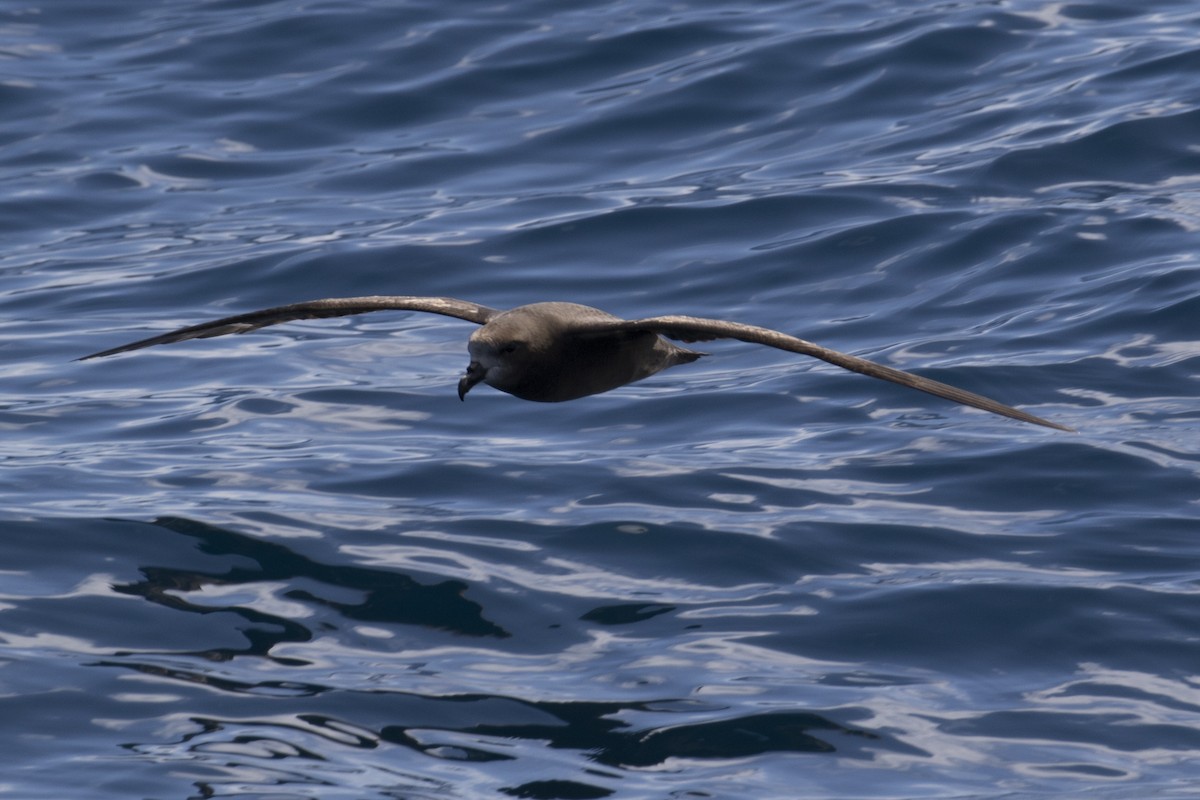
(553, 365)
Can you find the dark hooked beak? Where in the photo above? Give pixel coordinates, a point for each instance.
(473, 375)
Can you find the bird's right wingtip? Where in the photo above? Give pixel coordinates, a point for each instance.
(100, 354)
(1025, 416)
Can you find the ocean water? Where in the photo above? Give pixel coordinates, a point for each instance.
(292, 564)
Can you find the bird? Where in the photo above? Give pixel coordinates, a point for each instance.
(557, 351)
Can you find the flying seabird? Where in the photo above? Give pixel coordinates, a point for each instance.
(550, 352)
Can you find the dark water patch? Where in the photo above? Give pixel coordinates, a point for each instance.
(1151, 150)
(383, 596)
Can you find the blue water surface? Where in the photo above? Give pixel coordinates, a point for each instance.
(292, 565)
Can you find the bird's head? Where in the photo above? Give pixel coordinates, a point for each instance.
(508, 353)
(496, 363)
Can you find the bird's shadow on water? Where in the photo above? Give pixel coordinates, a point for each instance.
(610, 734)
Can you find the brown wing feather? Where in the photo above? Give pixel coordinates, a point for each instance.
(313, 309)
(697, 329)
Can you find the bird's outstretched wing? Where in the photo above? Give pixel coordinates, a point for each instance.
(314, 309)
(696, 329)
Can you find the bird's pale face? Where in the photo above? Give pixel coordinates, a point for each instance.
(518, 352)
(498, 358)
